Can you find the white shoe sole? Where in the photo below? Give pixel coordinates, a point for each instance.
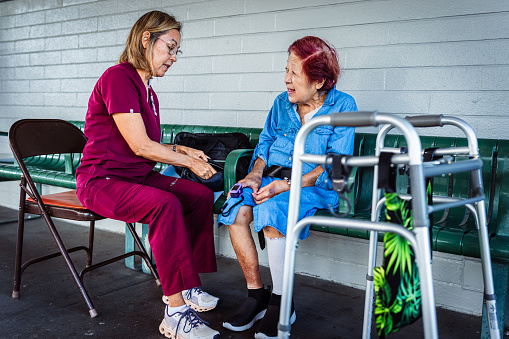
(199, 308)
(167, 331)
(247, 326)
(195, 307)
(264, 336)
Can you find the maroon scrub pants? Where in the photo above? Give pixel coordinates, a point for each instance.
(180, 217)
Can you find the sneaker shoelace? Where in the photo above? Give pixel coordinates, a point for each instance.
(192, 319)
(197, 291)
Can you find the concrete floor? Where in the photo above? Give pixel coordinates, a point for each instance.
(129, 303)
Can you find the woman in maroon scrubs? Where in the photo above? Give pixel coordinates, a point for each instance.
(116, 177)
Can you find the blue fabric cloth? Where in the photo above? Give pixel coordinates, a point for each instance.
(275, 147)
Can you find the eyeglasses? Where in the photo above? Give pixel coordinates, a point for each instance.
(172, 47)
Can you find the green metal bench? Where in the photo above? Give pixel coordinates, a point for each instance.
(454, 230)
(52, 169)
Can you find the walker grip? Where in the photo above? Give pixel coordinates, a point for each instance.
(426, 120)
(353, 119)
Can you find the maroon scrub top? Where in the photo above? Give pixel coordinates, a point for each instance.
(106, 154)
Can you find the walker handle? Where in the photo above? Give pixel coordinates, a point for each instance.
(354, 119)
(426, 120)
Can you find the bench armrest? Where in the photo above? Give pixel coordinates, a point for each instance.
(230, 167)
(71, 162)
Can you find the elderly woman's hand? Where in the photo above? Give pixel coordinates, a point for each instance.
(201, 168)
(194, 153)
(266, 192)
(253, 180)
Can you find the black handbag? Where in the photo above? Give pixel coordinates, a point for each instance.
(216, 146)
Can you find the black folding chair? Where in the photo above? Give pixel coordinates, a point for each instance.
(33, 137)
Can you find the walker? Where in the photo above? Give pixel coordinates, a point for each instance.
(419, 239)
(475, 204)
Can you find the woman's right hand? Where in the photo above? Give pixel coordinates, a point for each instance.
(201, 168)
(194, 153)
(253, 180)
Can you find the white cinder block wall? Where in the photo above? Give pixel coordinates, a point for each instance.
(397, 56)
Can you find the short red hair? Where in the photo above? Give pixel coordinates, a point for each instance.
(319, 60)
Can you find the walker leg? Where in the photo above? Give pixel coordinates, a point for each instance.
(423, 257)
(489, 290)
(500, 278)
(292, 242)
(370, 286)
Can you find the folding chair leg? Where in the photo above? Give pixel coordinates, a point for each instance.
(145, 255)
(90, 243)
(19, 251)
(70, 265)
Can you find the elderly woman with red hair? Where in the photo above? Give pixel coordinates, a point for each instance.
(311, 75)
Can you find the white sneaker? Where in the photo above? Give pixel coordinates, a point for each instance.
(186, 324)
(197, 299)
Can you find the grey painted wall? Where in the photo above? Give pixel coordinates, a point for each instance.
(398, 56)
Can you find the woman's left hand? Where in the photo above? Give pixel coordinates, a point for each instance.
(266, 192)
(194, 153)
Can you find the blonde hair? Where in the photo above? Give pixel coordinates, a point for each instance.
(156, 23)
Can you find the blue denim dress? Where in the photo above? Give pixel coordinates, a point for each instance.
(275, 147)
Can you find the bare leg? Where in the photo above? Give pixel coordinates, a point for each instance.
(245, 248)
(176, 300)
